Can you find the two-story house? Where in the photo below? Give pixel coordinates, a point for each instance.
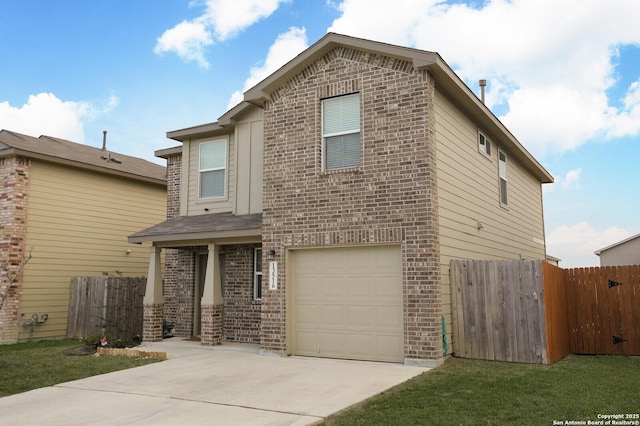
(319, 216)
(66, 210)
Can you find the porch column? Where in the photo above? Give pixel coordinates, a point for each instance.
(153, 300)
(211, 302)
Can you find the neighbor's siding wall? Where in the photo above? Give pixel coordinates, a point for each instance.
(78, 223)
(468, 193)
(625, 254)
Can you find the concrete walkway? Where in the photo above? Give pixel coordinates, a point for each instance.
(225, 385)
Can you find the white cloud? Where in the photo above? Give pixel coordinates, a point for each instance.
(572, 178)
(575, 244)
(221, 20)
(45, 114)
(188, 40)
(228, 17)
(285, 48)
(550, 63)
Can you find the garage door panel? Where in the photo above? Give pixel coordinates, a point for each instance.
(358, 287)
(387, 318)
(355, 309)
(306, 314)
(332, 315)
(360, 317)
(330, 287)
(307, 287)
(388, 287)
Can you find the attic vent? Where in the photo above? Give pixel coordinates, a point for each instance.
(104, 148)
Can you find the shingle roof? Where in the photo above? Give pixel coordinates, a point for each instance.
(201, 227)
(75, 154)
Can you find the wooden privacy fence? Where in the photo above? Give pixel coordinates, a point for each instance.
(604, 309)
(106, 305)
(499, 311)
(532, 311)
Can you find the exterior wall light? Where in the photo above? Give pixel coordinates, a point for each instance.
(271, 254)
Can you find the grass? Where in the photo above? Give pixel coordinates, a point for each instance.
(473, 392)
(26, 366)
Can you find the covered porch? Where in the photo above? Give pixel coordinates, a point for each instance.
(211, 286)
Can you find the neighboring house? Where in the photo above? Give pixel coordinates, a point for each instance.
(71, 207)
(553, 260)
(625, 252)
(319, 216)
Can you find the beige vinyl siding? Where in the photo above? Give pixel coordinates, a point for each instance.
(469, 192)
(77, 224)
(249, 142)
(195, 206)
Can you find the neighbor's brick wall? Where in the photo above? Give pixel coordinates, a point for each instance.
(390, 198)
(14, 198)
(241, 312)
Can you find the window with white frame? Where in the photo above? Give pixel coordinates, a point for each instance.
(257, 274)
(502, 171)
(484, 144)
(341, 132)
(213, 168)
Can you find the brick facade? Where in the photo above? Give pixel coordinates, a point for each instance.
(174, 172)
(241, 312)
(179, 287)
(152, 322)
(391, 197)
(241, 319)
(14, 191)
(211, 325)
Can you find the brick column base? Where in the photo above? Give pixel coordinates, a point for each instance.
(211, 325)
(152, 322)
(9, 315)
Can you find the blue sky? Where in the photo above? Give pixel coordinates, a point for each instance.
(564, 76)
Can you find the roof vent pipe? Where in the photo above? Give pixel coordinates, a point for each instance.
(104, 140)
(483, 84)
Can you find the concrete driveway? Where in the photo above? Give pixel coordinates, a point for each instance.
(200, 385)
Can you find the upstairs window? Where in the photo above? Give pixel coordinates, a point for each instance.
(484, 144)
(341, 132)
(502, 171)
(213, 168)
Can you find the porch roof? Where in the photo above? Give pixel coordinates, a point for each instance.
(193, 230)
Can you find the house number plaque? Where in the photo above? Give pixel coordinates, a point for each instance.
(273, 275)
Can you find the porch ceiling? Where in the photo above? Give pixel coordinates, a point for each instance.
(200, 228)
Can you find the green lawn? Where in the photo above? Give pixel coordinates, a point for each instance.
(473, 392)
(27, 366)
